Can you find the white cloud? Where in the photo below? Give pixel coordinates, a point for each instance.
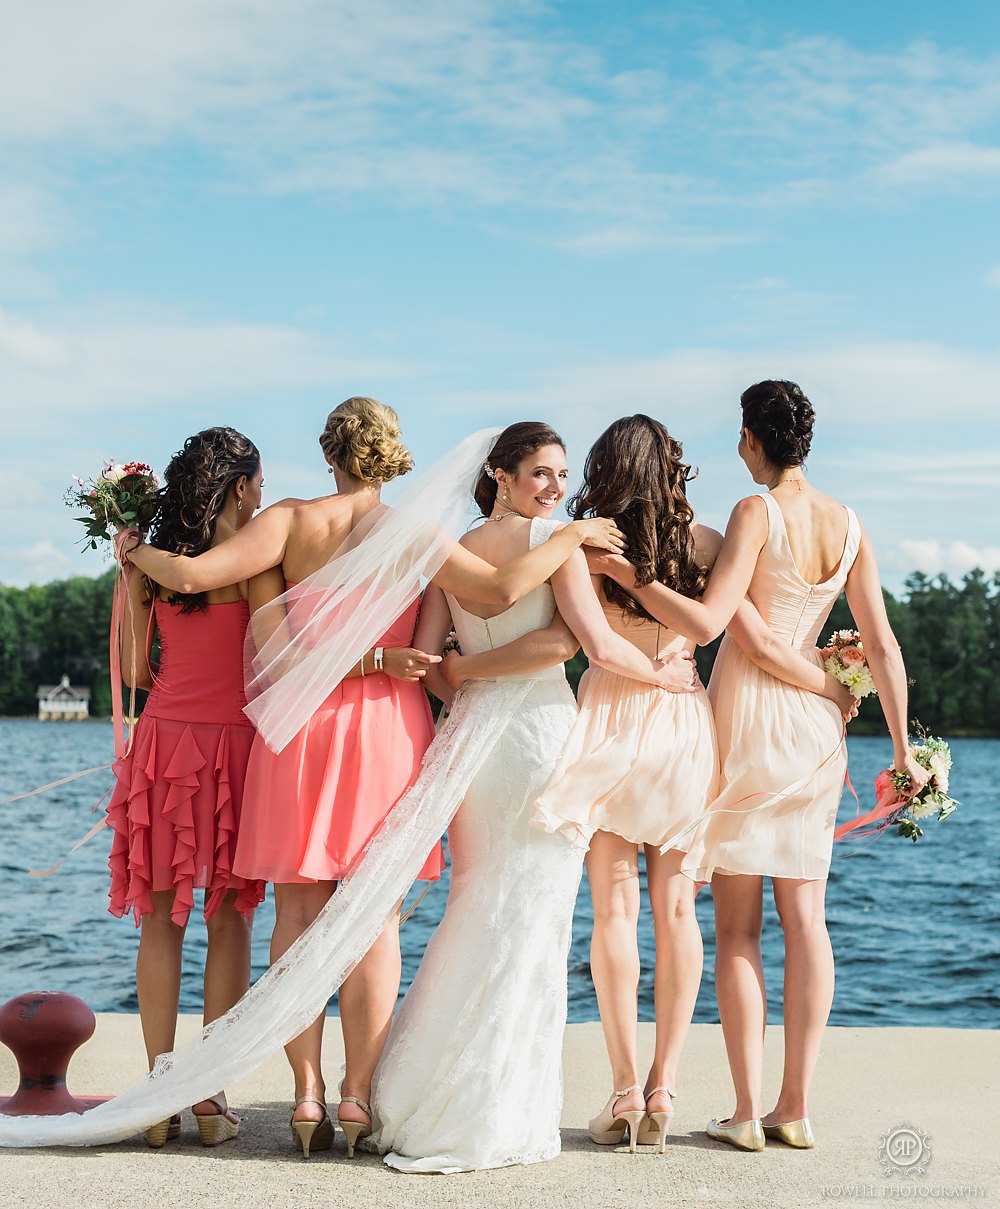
(944, 166)
(38, 563)
(992, 277)
(954, 558)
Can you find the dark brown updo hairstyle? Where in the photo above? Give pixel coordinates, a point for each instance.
(363, 437)
(635, 473)
(196, 484)
(781, 418)
(512, 446)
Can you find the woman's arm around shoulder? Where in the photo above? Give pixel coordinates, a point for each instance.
(258, 546)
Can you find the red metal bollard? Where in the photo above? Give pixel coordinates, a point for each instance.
(44, 1029)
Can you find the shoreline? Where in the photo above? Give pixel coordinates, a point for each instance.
(869, 1081)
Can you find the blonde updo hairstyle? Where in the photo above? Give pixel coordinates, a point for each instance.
(362, 436)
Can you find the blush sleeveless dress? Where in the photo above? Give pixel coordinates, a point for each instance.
(640, 762)
(175, 811)
(783, 750)
(310, 809)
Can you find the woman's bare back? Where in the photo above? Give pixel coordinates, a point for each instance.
(816, 525)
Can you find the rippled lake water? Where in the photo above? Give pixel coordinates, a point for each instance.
(915, 928)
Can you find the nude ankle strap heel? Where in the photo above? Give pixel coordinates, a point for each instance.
(608, 1127)
(312, 1135)
(653, 1130)
(355, 1130)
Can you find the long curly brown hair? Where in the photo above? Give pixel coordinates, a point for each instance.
(636, 474)
(196, 484)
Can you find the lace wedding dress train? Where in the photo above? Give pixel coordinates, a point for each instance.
(472, 1073)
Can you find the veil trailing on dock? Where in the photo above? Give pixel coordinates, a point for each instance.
(305, 648)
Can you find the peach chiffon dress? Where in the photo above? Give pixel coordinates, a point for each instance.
(784, 753)
(176, 808)
(311, 808)
(640, 762)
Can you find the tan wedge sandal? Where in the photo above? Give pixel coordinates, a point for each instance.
(355, 1130)
(312, 1135)
(163, 1131)
(653, 1130)
(217, 1127)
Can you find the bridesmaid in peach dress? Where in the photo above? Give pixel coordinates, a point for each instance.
(175, 812)
(312, 807)
(638, 771)
(782, 749)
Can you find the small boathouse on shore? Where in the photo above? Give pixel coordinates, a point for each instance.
(61, 702)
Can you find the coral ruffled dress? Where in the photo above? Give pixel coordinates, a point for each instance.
(175, 811)
(640, 762)
(311, 808)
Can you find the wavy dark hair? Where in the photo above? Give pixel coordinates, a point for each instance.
(512, 446)
(196, 484)
(636, 474)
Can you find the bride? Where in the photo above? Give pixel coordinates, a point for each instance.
(471, 1074)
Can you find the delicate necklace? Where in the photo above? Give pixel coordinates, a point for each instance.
(798, 479)
(505, 514)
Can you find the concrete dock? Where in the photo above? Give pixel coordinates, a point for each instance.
(942, 1083)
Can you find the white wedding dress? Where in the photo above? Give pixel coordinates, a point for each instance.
(472, 1072)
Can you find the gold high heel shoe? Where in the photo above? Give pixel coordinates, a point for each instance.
(653, 1130)
(163, 1131)
(746, 1135)
(215, 1128)
(608, 1127)
(355, 1130)
(793, 1133)
(312, 1135)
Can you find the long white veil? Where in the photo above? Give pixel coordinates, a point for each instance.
(297, 987)
(302, 644)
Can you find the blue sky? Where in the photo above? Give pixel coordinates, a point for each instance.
(234, 211)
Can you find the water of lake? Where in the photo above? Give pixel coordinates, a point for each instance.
(915, 928)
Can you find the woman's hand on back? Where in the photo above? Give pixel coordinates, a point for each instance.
(679, 673)
(407, 663)
(601, 533)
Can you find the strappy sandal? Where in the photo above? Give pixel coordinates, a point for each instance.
(217, 1127)
(163, 1131)
(312, 1135)
(653, 1130)
(608, 1127)
(354, 1130)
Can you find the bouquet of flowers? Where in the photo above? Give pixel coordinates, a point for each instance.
(844, 658)
(119, 495)
(935, 755)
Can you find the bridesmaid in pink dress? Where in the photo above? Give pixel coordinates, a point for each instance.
(175, 811)
(311, 808)
(782, 748)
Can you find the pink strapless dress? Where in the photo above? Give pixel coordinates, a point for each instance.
(175, 811)
(310, 809)
(640, 762)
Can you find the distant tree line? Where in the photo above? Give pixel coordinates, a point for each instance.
(949, 632)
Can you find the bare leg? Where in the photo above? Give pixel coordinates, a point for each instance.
(367, 999)
(227, 969)
(613, 871)
(679, 957)
(296, 906)
(809, 980)
(158, 975)
(739, 985)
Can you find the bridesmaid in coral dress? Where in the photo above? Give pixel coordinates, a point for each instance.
(175, 811)
(312, 807)
(782, 748)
